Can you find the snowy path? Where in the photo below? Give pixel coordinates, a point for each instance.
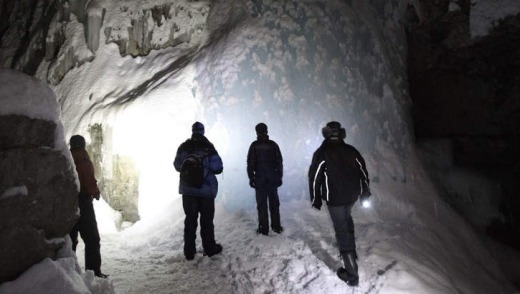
(301, 260)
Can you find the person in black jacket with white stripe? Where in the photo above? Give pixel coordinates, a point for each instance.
(338, 176)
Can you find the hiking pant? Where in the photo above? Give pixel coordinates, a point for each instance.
(265, 194)
(193, 206)
(88, 230)
(343, 227)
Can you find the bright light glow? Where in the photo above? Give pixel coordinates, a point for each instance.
(366, 203)
(106, 217)
(150, 133)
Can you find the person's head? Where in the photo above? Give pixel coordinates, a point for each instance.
(333, 130)
(197, 128)
(261, 129)
(76, 142)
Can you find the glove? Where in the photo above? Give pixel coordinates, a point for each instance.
(366, 194)
(96, 196)
(317, 205)
(364, 199)
(279, 183)
(252, 183)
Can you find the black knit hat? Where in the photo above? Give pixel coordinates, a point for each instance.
(261, 128)
(197, 128)
(77, 141)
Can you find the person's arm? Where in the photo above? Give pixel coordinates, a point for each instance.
(251, 164)
(88, 179)
(179, 158)
(215, 162)
(316, 175)
(365, 181)
(279, 162)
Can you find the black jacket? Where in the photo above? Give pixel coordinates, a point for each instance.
(264, 162)
(337, 174)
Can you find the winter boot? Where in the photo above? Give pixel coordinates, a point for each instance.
(262, 231)
(214, 251)
(189, 255)
(349, 274)
(278, 230)
(99, 274)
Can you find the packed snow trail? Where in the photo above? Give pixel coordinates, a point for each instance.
(148, 258)
(410, 254)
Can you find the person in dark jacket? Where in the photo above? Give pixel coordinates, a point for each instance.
(199, 200)
(265, 172)
(87, 224)
(338, 176)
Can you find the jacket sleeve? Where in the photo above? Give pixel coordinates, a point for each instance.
(215, 162)
(88, 178)
(251, 161)
(363, 173)
(316, 179)
(279, 161)
(179, 158)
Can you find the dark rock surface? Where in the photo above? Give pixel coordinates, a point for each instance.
(467, 90)
(38, 194)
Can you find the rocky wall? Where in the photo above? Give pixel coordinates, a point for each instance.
(38, 194)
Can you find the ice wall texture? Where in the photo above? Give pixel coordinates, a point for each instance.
(293, 65)
(298, 65)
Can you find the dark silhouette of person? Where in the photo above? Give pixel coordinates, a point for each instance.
(87, 224)
(265, 172)
(338, 176)
(199, 200)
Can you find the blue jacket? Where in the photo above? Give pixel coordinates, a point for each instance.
(200, 145)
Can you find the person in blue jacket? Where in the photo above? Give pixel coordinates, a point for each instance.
(265, 172)
(199, 200)
(338, 176)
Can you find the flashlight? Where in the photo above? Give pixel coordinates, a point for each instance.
(365, 203)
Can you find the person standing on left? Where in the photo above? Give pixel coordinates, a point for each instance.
(87, 224)
(198, 196)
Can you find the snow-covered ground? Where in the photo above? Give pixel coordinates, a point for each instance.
(394, 257)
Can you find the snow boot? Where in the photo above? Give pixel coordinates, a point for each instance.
(189, 255)
(99, 274)
(349, 274)
(262, 231)
(216, 250)
(278, 230)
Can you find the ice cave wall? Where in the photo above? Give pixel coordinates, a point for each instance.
(292, 65)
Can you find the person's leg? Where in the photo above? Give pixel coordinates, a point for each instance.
(351, 238)
(274, 210)
(75, 230)
(207, 229)
(344, 229)
(261, 205)
(90, 235)
(74, 234)
(191, 211)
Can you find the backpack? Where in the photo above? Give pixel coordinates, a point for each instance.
(192, 171)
